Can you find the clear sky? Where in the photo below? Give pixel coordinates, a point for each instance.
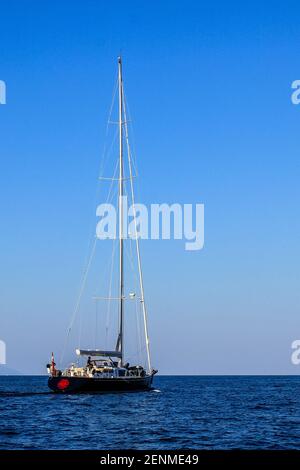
(209, 86)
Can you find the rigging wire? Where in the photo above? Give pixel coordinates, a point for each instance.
(81, 290)
(107, 323)
(137, 244)
(129, 254)
(89, 258)
(131, 166)
(96, 326)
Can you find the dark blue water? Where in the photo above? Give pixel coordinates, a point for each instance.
(181, 413)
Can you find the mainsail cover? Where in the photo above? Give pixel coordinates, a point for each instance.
(98, 352)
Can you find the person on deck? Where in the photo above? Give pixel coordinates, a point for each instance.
(89, 362)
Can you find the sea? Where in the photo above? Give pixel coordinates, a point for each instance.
(181, 412)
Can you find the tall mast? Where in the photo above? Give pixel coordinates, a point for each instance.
(120, 342)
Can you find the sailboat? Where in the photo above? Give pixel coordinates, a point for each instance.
(107, 370)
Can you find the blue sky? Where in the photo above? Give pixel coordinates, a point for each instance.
(209, 90)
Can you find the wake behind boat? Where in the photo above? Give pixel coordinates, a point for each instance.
(107, 370)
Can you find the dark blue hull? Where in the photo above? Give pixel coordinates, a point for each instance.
(85, 384)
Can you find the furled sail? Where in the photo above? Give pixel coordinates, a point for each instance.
(98, 352)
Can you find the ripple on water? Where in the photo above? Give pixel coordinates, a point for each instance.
(181, 412)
